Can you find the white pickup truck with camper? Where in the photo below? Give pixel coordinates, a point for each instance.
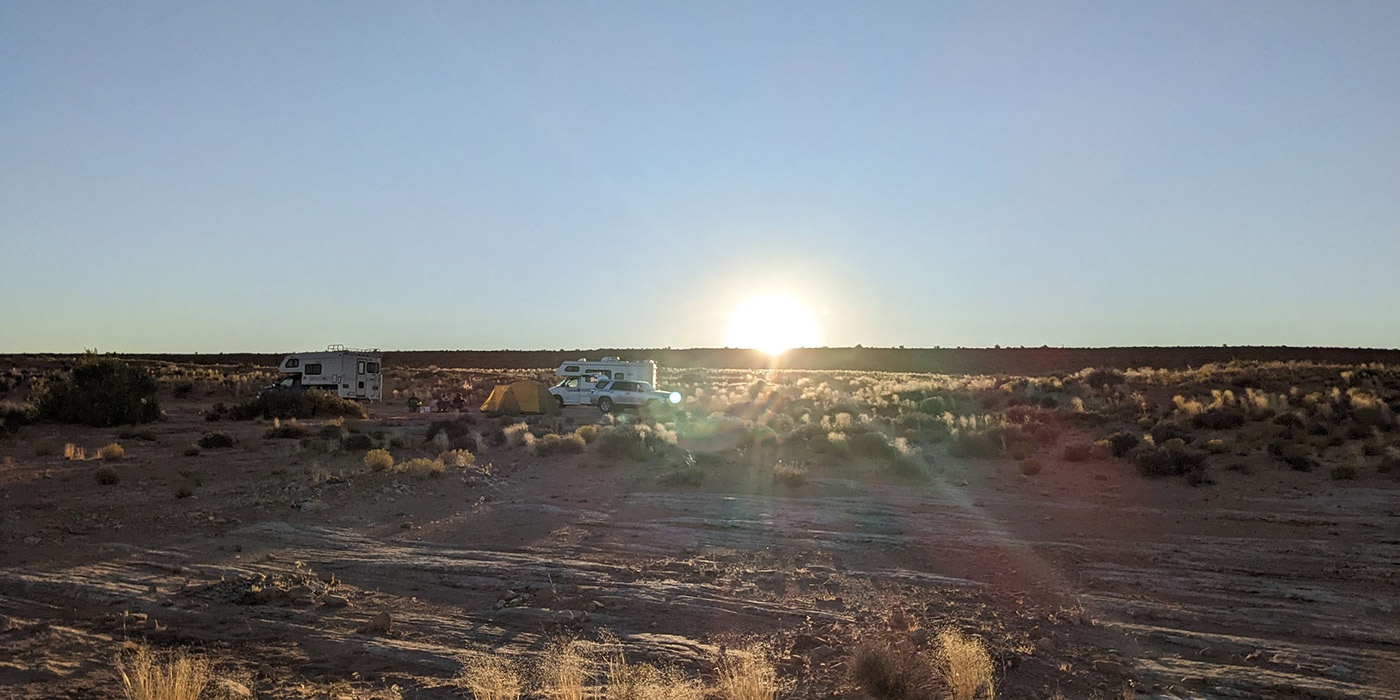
(350, 373)
(582, 375)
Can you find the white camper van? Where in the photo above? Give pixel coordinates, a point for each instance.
(350, 373)
(581, 375)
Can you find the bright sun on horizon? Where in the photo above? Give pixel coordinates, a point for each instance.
(773, 324)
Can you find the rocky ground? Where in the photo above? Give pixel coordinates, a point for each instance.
(305, 575)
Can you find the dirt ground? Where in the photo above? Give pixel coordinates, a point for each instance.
(275, 559)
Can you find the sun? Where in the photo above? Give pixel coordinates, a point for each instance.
(773, 324)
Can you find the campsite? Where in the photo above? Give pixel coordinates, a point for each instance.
(793, 519)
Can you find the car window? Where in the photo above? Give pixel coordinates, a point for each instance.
(603, 384)
(643, 386)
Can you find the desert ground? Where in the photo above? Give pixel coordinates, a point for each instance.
(1220, 531)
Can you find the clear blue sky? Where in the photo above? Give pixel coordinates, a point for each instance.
(264, 176)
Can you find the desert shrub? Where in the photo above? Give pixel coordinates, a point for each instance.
(1168, 459)
(286, 403)
(518, 435)
(459, 434)
(1166, 431)
(869, 444)
(134, 434)
(185, 491)
(491, 678)
(74, 453)
(1029, 467)
(588, 433)
(1343, 472)
(457, 458)
(192, 450)
(935, 405)
(1078, 452)
(1216, 446)
(111, 452)
(1122, 443)
(1102, 449)
(14, 415)
(886, 673)
(746, 675)
(176, 676)
(964, 666)
(622, 441)
(182, 391)
(100, 392)
(379, 460)
(422, 467)
(552, 444)
(789, 473)
(563, 672)
(214, 440)
(1219, 419)
(1104, 377)
(1020, 450)
(107, 476)
(974, 445)
(358, 441)
(291, 429)
(1299, 457)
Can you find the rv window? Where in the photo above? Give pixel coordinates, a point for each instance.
(571, 368)
(374, 368)
(313, 368)
(602, 372)
(294, 362)
(360, 367)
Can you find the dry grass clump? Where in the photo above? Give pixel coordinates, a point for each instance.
(214, 440)
(964, 666)
(887, 673)
(422, 467)
(379, 460)
(563, 672)
(518, 435)
(491, 678)
(746, 675)
(146, 675)
(627, 681)
(111, 452)
(73, 453)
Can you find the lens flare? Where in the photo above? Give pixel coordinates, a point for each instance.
(773, 324)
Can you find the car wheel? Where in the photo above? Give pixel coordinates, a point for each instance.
(605, 405)
(559, 400)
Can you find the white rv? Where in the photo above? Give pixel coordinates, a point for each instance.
(347, 372)
(581, 375)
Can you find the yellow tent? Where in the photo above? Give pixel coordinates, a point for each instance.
(523, 396)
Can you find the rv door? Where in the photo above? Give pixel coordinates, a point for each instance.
(361, 376)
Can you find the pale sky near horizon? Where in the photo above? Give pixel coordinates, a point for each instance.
(272, 176)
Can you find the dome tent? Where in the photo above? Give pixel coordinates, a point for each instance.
(524, 396)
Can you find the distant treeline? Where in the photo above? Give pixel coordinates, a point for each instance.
(1043, 360)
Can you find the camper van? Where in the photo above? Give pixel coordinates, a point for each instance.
(350, 373)
(581, 375)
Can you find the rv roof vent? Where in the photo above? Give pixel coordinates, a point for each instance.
(609, 359)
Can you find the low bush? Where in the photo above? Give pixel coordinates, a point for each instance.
(285, 404)
(1298, 457)
(358, 441)
(552, 444)
(144, 675)
(457, 458)
(1344, 472)
(73, 453)
(290, 430)
(1078, 452)
(622, 442)
(134, 434)
(99, 391)
(1219, 419)
(379, 460)
(789, 474)
(215, 440)
(964, 666)
(111, 452)
(458, 434)
(107, 476)
(588, 433)
(974, 446)
(1123, 443)
(423, 467)
(1168, 459)
(1029, 467)
(192, 450)
(1021, 450)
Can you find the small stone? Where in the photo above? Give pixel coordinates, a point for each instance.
(33, 540)
(335, 601)
(225, 689)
